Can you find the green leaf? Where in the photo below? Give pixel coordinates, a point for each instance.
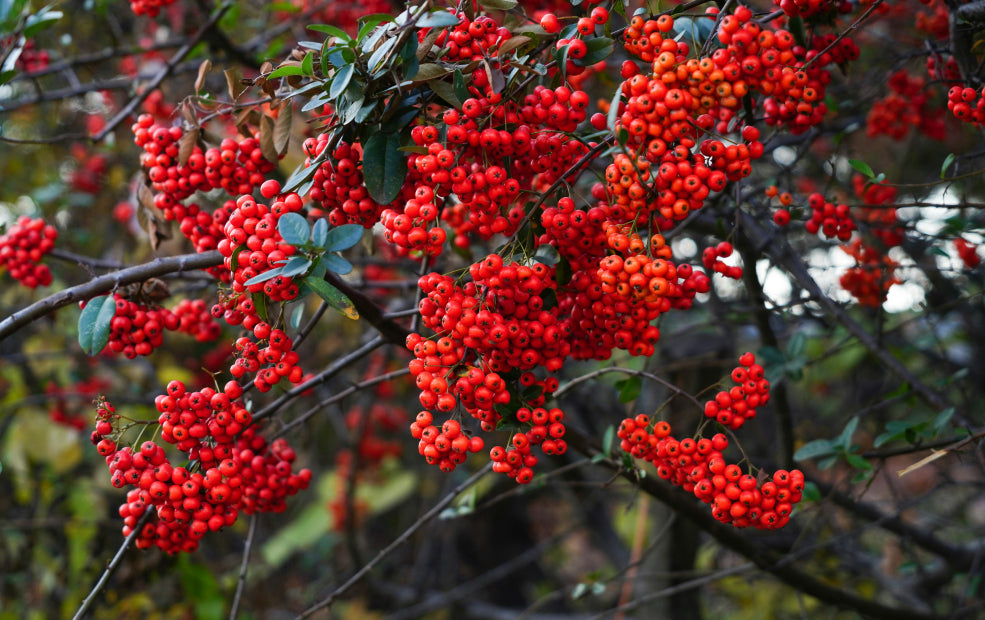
(814, 449)
(340, 81)
(942, 419)
(446, 91)
(613, 115)
(607, 440)
(438, 19)
(42, 20)
(599, 49)
(371, 21)
(94, 323)
(7, 75)
(343, 237)
(458, 81)
(810, 493)
(308, 64)
(795, 347)
(333, 296)
(947, 164)
(331, 31)
(499, 5)
(384, 167)
(293, 228)
(862, 167)
(845, 439)
(296, 315)
(629, 389)
(299, 177)
(858, 462)
(295, 265)
(335, 263)
(270, 274)
(285, 70)
(319, 234)
(260, 303)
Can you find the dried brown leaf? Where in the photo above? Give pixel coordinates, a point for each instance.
(266, 138)
(202, 70)
(282, 128)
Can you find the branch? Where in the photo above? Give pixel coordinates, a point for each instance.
(390, 330)
(179, 55)
(244, 566)
(112, 566)
(105, 284)
(421, 522)
(769, 560)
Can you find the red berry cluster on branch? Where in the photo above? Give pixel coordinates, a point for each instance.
(233, 468)
(150, 8)
(23, 246)
(446, 447)
(546, 430)
(874, 273)
(711, 258)
(831, 220)
(905, 107)
(967, 104)
(731, 408)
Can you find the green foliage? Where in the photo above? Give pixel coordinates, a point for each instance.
(94, 323)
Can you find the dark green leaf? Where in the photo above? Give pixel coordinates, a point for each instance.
(343, 237)
(340, 81)
(810, 493)
(42, 20)
(613, 115)
(607, 440)
(368, 22)
(942, 419)
(599, 49)
(827, 463)
(384, 167)
(814, 449)
(296, 314)
(795, 347)
(862, 167)
(447, 92)
(319, 233)
(629, 389)
(858, 462)
(300, 175)
(458, 81)
(333, 296)
(293, 228)
(260, 303)
(94, 323)
(845, 439)
(7, 75)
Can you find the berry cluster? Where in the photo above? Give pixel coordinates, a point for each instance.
(874, 273)
(23, 246)
(447, 447)
(833, 221)
(270, 362)
(878, 218)
(967, 104)
(905, 107)
(712, 260)
(236, 167)
(31, 59)
(233, 468)
(811, 8)
(731, 408)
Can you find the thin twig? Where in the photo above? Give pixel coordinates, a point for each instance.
(244, 566)
(629, 371)
(112, 566)
(401, 539)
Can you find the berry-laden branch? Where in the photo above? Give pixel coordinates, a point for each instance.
(426, 518)
(106, 283)
(773, 562)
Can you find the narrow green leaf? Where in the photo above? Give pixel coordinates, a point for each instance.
(285, 70)
(333, 296)
(300, 175)
(371, 21)
(384, 167)
(862, 167)
(330, 30)
(296, 315)
(795, 347)
(858, 462)
(845, 439)
(814, 449)
(458, 81)
(270, 274)
(308, 64)
(447, 92)
(947, 164)
(94, 323)
(40, 21)
(7, 75)
(343, 237)
(293, 228)
(260, 303)
(340, 81)
(810, 492)
(942, 419)
(613, 115)
(608, 439)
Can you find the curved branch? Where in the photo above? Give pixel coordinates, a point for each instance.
(105, 284)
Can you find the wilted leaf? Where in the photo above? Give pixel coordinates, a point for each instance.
(186, 145)
(282, 127)
(203, 69)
